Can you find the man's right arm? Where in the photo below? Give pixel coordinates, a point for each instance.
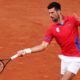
(37, 48)
(40, 47)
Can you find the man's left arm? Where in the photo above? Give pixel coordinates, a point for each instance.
(78, 20)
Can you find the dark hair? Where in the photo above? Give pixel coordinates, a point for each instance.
(55, 5)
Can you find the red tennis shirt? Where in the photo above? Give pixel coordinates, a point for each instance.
(66, 36)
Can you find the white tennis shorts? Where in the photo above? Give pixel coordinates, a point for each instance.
(71, 64)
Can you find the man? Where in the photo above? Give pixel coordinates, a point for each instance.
(65, 31)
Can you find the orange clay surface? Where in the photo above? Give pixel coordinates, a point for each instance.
(22, 25)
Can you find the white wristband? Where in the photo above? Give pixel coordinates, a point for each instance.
(28, 50)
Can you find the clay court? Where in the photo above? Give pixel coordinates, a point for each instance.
(22, 25)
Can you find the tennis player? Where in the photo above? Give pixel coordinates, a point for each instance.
(65, 30)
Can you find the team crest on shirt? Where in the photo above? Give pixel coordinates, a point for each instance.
(57, 29)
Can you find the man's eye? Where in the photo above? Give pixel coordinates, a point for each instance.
(51, 12)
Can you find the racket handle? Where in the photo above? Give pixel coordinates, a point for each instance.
(14, 56)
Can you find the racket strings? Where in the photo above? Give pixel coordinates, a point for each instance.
(3, 63)
(1, 66)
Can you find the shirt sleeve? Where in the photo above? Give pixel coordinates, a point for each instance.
(48, 36)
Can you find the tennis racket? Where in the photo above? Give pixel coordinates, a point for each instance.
(4, 62)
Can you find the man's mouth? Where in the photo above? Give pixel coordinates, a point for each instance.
(54, 19)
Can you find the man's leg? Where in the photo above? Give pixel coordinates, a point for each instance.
(68, 76)
(69, 70)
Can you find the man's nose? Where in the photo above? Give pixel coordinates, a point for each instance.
(51, 15)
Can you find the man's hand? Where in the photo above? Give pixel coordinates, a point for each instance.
(24, 51)
(76, 16)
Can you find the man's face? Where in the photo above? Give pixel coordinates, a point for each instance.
(53, 14)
